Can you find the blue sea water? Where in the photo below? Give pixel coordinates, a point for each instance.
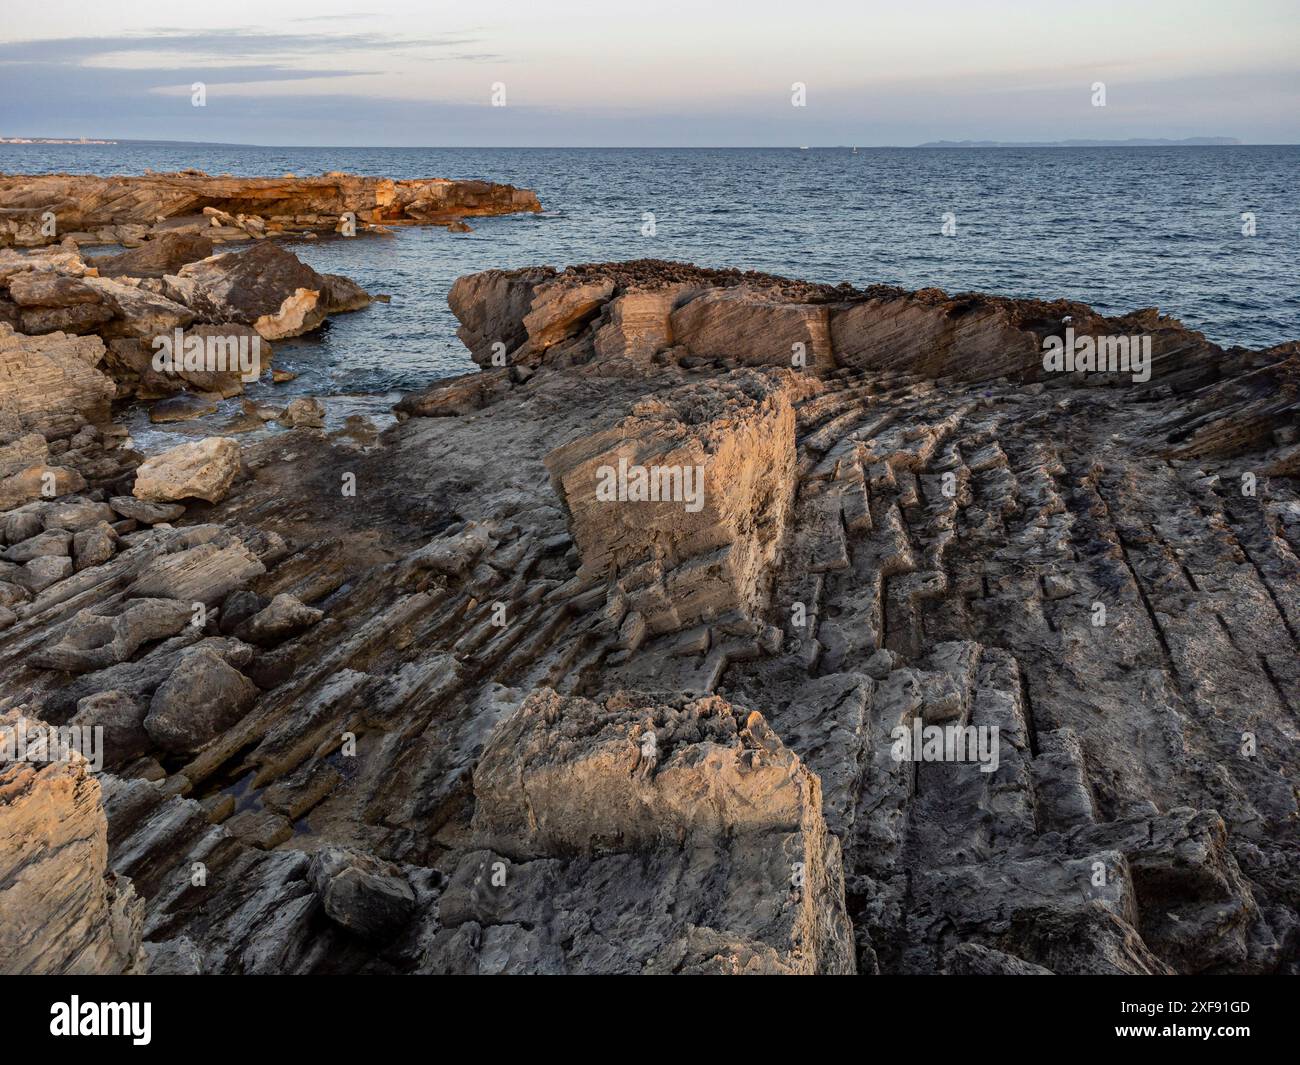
(1119, 228)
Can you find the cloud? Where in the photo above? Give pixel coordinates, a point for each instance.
(100, 83)
(227, 44)
(285, 88)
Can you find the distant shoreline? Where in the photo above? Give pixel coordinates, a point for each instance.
(1132, 142)
(53, 140)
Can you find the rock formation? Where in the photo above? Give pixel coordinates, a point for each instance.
(46, 208)
(73, 340)
(64, 911)
(520, 705)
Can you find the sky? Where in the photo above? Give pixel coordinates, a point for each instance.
(661, 73)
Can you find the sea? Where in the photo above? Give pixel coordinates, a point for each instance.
(1120, 228)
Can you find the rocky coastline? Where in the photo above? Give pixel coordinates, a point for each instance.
(427, 701)
(36, 210)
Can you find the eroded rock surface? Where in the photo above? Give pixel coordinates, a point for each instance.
(477, 718)
(64, 910)
(109, 210)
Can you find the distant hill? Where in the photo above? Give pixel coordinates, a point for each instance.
(1132, 142)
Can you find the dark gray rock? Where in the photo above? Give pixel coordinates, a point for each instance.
(203, 696)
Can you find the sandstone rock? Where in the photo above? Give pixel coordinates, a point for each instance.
(559, 309)
(212, 359)
(39, 482)
(491, 307)
(203, 469)
(265, 287)
(755, 330)
(725, 456)
(204, 573)
(181, 407)
(77, 319)
(138, 311)
(61, 260)
(65, 912)
(54, 372)
(713, 797)
(459, 395)
(899, 331)
(129, 207)
(639, 324)
(21, 524)
(29, 449)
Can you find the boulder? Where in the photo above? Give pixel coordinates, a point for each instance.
(202, 469)
(139, 311)
(41, 572)
(94, 546)
(283, 617)
(96, 640)
(39, 482)
(305, 412)
(39, 288)
(75, 514)
(22, 524)
(144, 512)
(163, 254)
(366, 896)
(54, 542)
(79, 319)
(181, 407)
(121, 716)
(202, 698)
(218, 360)
(265, 287)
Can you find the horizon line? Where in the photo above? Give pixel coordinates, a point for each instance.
(964, 145)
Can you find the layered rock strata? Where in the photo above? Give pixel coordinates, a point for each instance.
(442, 725)
(73, 340)
(46, 208)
